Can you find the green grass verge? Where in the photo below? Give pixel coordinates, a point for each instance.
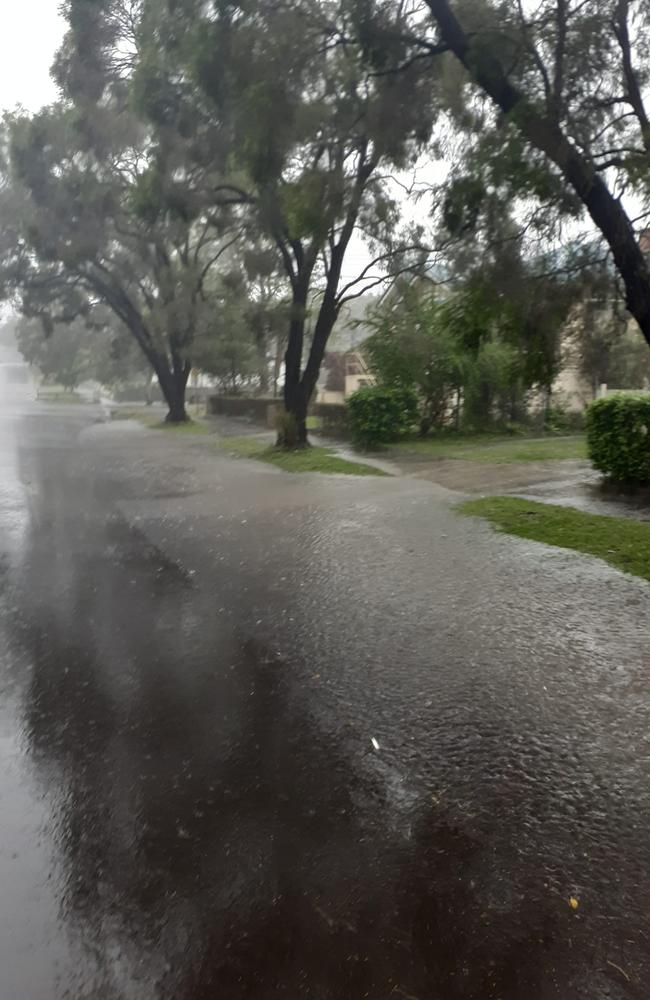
(307, 460)
(496, 448)
(153, 421)
(620, 541)
(190, 427)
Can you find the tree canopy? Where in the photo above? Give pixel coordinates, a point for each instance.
(570, 87)
(210, 172)
(315, 129)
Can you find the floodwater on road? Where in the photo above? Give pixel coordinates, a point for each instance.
(588, 492)
(283, 736)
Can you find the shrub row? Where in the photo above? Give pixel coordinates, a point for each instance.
(618, 436)
(378, 414)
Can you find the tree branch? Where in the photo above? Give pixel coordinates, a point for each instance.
(634, 95)
(377, 260)
(532, 48)
(558, 70)
(408, 269)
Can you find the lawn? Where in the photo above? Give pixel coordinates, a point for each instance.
(189, 427)
(314, 459)
(620, 541)
(496, 448)
(151, 419)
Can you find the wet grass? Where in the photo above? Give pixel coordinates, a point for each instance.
(314, 459)
(189, 427)
(153, 421)
(496, 448)
(619, 541)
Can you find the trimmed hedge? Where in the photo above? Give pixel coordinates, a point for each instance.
(618, 436)
(378, 414)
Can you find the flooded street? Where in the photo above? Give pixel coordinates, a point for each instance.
(296, 736)
(586, 491)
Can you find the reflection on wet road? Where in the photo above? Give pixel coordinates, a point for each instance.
(268, 736)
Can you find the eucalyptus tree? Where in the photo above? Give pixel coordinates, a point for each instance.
(315, 129)
(100, 206)
(568, 79)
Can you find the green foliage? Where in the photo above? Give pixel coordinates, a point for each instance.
(414, 347)
(609, 349)
(551, 141)
(617, 540)
(95, 346)
(462, 205)
(378, 414)
(629, 360)
(227, 351)
(556, 419)
(492, 390)
(101, 205)
(316, 132)
(185, 127)
(238, 339)
(115, 358)
(618, 436)
(495, 448)
(309, 202)
(485, 349)
(62, 357)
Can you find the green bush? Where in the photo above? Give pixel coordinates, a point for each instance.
(618, 436)
(378, 414)
(556, 419)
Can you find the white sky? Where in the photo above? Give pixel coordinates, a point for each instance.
(30, 33)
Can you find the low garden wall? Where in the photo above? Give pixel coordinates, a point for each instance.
(331, 418)
(138, 394)
(260, 409)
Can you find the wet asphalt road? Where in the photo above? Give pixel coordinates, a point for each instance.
(197, 655)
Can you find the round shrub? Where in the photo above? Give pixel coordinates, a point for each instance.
(618, 436)
(378, 414)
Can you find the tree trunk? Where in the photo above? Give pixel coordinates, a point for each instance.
(546, 134)
(175, 398)
(173, 377)
(261, 339)
(327, 315)
(292, 426)
(173, 384)
(298, 389)
(292, 429)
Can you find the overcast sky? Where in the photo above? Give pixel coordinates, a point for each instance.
(30, 33)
